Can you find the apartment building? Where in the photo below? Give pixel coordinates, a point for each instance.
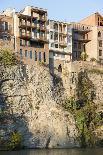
(77, 39)
(29, 30)
(58, 49)
(94, 48)
(6, 32)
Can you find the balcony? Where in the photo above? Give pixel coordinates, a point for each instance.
(39, 39)
(82, 40)
(63, 44)
(24, 35)
(33, 25)
(22, 25)
(43, 19)
(81, 31)
(42, 28)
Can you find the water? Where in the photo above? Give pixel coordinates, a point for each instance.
(55, 152)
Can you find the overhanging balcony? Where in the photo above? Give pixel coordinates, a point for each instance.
(63, 44)
(81, 31)
(25, 36)
(82, 40)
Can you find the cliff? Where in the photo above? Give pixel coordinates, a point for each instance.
(32, 107)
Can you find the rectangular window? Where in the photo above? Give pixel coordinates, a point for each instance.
(100, 43)
(56, 45)
(25, 42)
(30, 54)
(20, 42)
(35, 56)
(100, 52)
(39, 56)
(21, 53)
(26, 53)
(75, 45)
(79, 45)
(44, 57)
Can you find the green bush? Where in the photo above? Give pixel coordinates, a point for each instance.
(14, 141)
(7, 57)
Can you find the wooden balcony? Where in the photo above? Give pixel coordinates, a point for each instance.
(43, 19)
(82, 40)
(39, 39)
(25, 36)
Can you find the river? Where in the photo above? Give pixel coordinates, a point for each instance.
(98, 151)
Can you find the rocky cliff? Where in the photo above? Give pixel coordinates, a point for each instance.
(33, 102)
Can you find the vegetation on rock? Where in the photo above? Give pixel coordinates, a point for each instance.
(83, 108)
(7, 57)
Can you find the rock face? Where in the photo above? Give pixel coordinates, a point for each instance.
(32, 99)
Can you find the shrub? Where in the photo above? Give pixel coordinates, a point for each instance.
(15, 141)
(7, 57)
(84, 56)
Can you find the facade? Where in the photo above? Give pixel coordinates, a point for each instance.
(58, 48)
(6, 32)
(77, 39)
(94, 48)
(34, 38)
(30, 34)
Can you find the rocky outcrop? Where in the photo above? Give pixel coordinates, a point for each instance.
(32, 99)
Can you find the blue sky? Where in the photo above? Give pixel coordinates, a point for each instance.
(63, 10)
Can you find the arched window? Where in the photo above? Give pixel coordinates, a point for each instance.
(60, 68)
(99, 34)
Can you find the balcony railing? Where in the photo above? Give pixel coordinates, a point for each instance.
(42, 18)
(25, 35)
(63, 43)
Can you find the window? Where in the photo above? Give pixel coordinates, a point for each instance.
(30, 54)
(35, 56)
(100, 43)
(21, 52)
(26, 53)
(56, 45)
(79, 45)
(51, 35)
(52, 44)
(100, 52)
(44, 57)
(99, 34)
(39, 56)
(60, 68)
(75, 45)
(25, 42)
(20, 42)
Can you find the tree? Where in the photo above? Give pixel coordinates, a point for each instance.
(84, 56)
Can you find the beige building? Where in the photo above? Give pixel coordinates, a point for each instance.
(77, 39)
(29, 30)
(94, 48)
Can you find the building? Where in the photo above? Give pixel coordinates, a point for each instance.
(94, 48)
(29, 28)
(58, 48)
(77, 39)
(6, 32)
(34, 38)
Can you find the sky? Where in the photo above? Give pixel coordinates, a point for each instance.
(63, 10)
